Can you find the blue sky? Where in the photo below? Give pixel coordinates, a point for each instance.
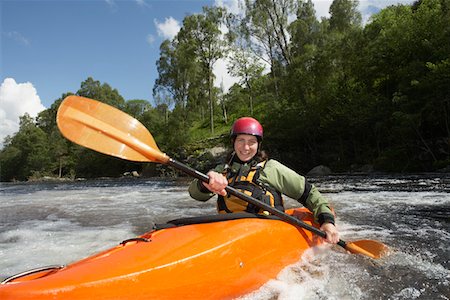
(56, 45)
(48, 47)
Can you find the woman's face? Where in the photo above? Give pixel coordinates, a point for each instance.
(245, 146)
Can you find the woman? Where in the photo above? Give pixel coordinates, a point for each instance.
(250, 171)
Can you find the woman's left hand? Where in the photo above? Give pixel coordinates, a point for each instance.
(331, 231)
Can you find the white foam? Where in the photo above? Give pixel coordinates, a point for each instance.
(54, 242)
(420, 261)
(407, 293)
(311, 278)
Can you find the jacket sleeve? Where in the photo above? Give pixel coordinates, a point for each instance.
(198, 192)
(295, 186)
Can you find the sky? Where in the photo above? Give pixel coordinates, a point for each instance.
(49, 47)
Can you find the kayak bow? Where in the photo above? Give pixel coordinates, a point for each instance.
(215, 260)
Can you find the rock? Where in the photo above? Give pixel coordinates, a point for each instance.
(218, 151)
(131, 174)
(319, 171)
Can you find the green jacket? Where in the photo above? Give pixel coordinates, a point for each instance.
(284, 180)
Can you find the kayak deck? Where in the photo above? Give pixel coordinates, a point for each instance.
(216, 257)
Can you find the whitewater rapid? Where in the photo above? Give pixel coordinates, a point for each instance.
(58, 223)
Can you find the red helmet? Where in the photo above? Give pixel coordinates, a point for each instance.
(247, 125)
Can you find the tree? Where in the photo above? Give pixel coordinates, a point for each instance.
(267, 22)
(305, 30)
(203, 32)
(306, 37)
(247, 67)
(93, 89)
(265, 25)
(172, 83)
(137, 108)
(27, 152)
(403, 46)
(344, 15)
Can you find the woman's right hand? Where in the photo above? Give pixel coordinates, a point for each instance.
(217, 183)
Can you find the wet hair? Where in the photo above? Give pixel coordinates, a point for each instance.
(261, 155)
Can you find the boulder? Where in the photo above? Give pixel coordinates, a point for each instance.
(319, 171)
(217, 151)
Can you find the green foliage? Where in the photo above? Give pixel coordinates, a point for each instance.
(93, 89)
(335, 92)
(26, 152)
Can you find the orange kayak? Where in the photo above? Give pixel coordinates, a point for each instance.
(214, 257)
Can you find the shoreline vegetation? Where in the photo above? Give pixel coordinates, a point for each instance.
(318, 171)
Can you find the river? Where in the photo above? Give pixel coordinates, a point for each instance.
(57, 223)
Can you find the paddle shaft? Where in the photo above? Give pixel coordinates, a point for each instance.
(283, 216)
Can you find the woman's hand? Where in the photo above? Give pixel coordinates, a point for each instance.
(331, 231)
(217, 183)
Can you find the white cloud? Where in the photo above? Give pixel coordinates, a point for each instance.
(142, 3)
(16, 99)
(168, 29)
(18, 37)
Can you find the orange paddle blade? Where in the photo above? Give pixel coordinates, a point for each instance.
(370, 248)
(106, 129)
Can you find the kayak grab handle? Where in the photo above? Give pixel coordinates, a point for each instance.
(138, 239)
(37, 273)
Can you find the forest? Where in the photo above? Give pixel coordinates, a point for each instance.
(335, 92)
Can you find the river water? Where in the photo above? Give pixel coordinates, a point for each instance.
(57, 223)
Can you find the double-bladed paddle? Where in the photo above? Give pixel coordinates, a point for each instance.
(108, 130)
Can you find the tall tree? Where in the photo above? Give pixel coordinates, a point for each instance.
(344, 14)
(267, 23)
(306, 35)
(173, 66)
(265, 26)
(60, 158)
(203, 31)
(244, 65)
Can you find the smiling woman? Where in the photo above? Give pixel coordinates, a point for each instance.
(249, 170)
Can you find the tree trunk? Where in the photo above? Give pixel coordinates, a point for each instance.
(211, 106)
